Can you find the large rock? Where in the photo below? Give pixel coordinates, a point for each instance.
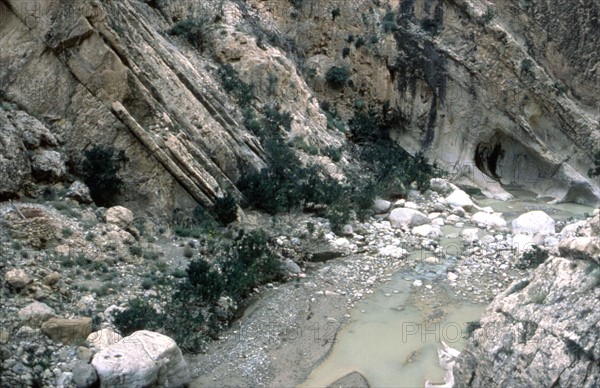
(103, 338)
(140, 360)
(68, 331)
(84, 375)
(36, 313)
(548, 322)
(428, 231)
(381, 206)
(533, 222)
(48, 166)
(80, 192)
(441, 185)
(351, 380)
(17, 279)
(119, 216)
(407, 217)
(489, 220)
(584, 248)
(459, 198)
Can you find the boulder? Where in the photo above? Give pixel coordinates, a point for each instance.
(84, 375)
(407, 217)
(67, 331)
(36, 313)
(119, 215)
(381, 206)
(351, 380)
(441, 185)
(428, 231)
(104, 338)
(470, 235)
(583, 248)
(79, 192)
(489, 220)
(533, 222)
(142, 359)
(17, 279)
(392, 251)
(48, 166)
(459, 198)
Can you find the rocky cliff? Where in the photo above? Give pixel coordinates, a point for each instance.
(543, 330)
(496, 93)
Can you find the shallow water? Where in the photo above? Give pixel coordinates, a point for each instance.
(393, 342)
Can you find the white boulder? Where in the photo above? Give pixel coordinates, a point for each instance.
(142, 359)
(428, 231)
(533, 222)
(489, 220)
(459, 198)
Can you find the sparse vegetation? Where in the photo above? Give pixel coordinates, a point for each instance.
(139, 315)
(231, 82)
(196, 30)
(226, 209)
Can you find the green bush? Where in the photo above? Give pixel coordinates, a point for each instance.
(595, 171)
(231, 82)
(337, 76)
(389, 22)
(532, 258)
(100, 169)
(226, 209)
(195, 30)
(140, 315)
(206, 282)
(251, 262)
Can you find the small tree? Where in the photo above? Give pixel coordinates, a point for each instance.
(100, 170)
(226, 209)
(337, 76)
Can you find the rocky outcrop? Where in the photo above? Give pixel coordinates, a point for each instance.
(495, 92)
(541, 331)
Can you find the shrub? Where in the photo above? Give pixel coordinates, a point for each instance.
(360, 41)
(345, 52)
(337, 76)
(140, 315)
(231, 82)
(532, 258)
(195, 30)
(206, 282)
(135, 250)
(335, 13)
(226, 209)
(250, 263)
(100, 170)
(389, 22)
(595, 171)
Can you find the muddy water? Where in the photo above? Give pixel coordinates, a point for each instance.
(391, 338)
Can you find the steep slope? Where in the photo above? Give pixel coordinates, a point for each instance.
(107, 73)
(503, 89)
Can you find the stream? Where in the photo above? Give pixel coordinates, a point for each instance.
(393, 334)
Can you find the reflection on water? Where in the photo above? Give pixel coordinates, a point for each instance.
(392, 340)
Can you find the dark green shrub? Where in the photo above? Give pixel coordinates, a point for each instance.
(135, 250)
(231, 82)
(335, 13)
(337, 76)
(526, 65)
(207, 283)
(140, 315)
(532, 258)
(195, 30)
(251, 262)
(334, 153)
(389, 22)
(472, 326)
(345, 52)
(226, 209)
(100, 170)
(360, 41)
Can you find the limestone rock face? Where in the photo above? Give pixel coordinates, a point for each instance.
(543, 330)
(140, 360)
